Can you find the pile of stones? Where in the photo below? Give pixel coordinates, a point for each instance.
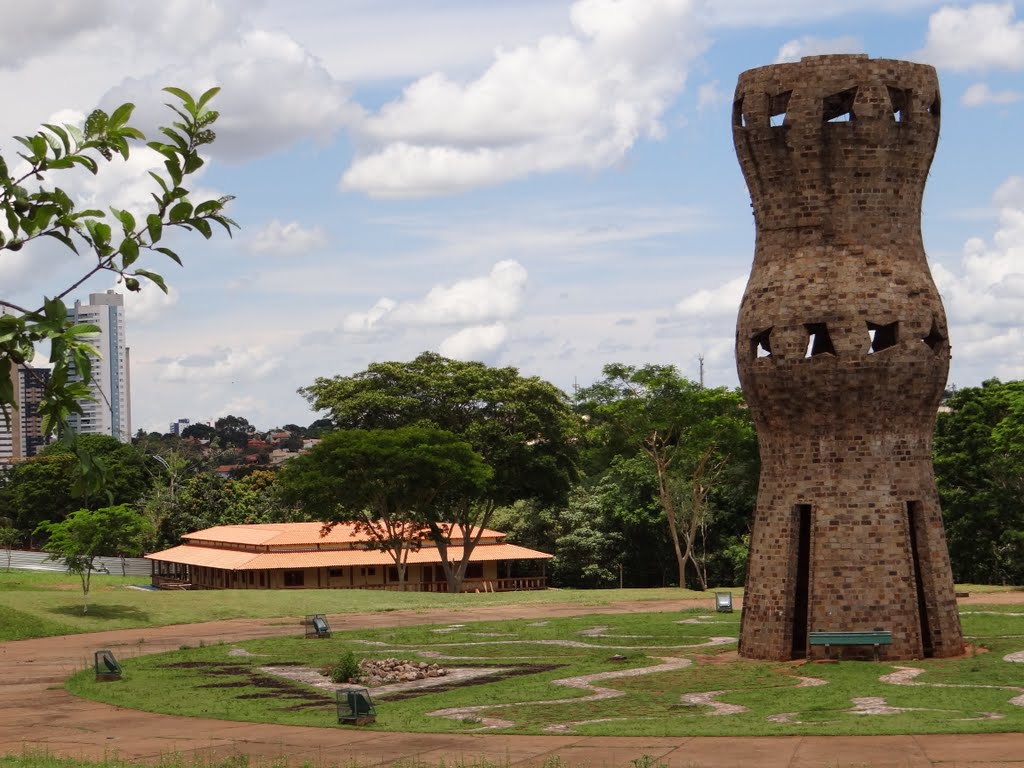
(385, 671)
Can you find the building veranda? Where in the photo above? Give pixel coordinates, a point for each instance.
(297, 556)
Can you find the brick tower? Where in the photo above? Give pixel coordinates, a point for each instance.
(842, 351)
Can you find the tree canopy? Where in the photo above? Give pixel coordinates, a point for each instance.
(979, 469)
(87, 534)
(686, 436)
(392, 483)
(522, 427)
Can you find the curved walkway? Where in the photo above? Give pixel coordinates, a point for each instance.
(36, 714)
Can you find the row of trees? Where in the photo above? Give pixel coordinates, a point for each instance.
(645, 479)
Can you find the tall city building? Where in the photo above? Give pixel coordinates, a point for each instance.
(110, 412)
(10, 428)
(31, 386)
(21, 433)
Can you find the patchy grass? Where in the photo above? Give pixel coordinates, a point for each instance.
(44, 760)
(972, 694)
(48, 603)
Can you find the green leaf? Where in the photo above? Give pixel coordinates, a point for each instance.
(203, 226)
(154, 277)
(127, 220)
(176, 137)
(155, 227)
(55, 310)
(86, 161)
(180, 212)
(61, 134)
(193, 163)
(63, 238)
(87, 330)
(173, 170)
(129, 252)
(184, 96)
(39, 146)
(121, 115)
(207, 95)
(169, 254)
(96, 123)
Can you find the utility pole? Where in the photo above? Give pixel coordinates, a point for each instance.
(700, 358)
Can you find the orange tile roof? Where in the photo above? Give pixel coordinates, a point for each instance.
(291, 534)
(233, 560)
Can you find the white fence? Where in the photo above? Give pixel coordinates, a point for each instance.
(36, 561)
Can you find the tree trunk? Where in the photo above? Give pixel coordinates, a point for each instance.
(668, 504)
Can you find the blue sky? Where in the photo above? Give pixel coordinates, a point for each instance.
(543, 184)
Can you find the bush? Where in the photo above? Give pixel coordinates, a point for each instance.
(346, 669)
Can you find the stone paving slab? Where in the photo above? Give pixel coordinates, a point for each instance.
(42, 716)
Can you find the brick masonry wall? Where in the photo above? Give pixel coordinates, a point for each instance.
(842, 351)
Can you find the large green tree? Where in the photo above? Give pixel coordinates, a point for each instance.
(522, 427)
(114, 241)
(87, 534)
(979, 469)
(48, 487)
(686, 435)
(390, 482)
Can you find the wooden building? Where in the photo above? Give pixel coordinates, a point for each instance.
(298, 556)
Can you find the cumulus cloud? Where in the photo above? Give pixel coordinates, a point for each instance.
(291, 239)
(274, 93)
(475, 342)
(979, 37)
(496, 296)
(28, 32)
(148, 303)
(711, 96)
(808, 45)
(357, 322)
(221, 363)
(983, 298)
(980, 95)
(715, 302)
(569, 101)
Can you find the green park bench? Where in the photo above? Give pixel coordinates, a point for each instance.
(317, 626)
(355, 707)
(875, 638)
(106, 666)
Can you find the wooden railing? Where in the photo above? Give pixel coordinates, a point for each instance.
(517, 584)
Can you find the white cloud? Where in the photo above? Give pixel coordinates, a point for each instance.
(496, 296)
(980, 37)
(28, 32)
(715, 302)
(711, 96)
(568, 101)
(358, 322)
(221, 363)
(147, 304)
(758, 13)
(291, 239)
(274, 93)
(475, 342)
(983, 298)
(247, 406)
(808, 45)
(980, 95)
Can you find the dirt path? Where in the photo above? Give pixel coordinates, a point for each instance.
(37, 714)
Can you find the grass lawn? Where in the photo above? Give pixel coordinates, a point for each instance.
(44, 603)
(966, 695)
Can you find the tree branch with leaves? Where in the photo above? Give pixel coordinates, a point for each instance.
(34, 208)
